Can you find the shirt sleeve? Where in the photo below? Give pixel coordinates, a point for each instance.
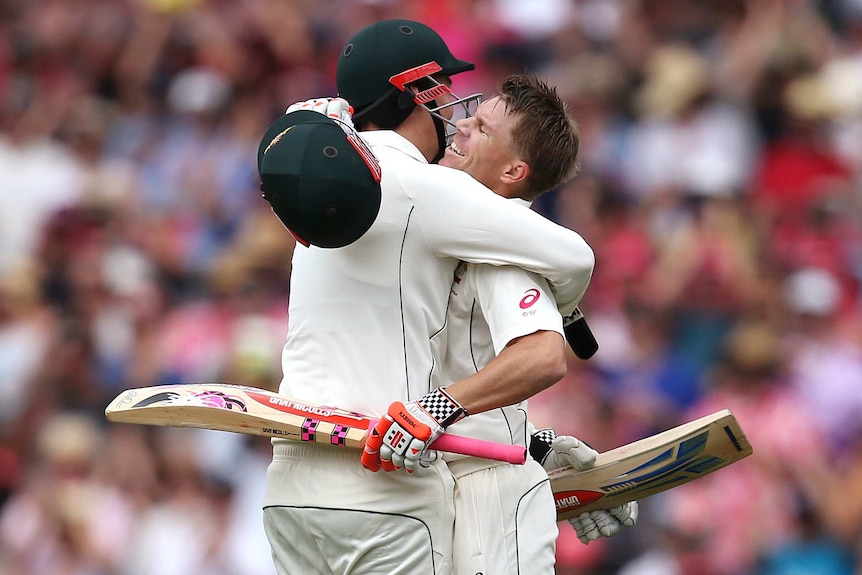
(462, 219)
(513, 302)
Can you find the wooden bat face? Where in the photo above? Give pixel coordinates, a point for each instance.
(651, 465)
(240, 409)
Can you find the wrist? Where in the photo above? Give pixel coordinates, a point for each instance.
(442, 407)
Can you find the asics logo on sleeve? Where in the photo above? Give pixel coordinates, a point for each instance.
(531, 296)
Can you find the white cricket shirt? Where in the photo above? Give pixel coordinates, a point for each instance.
(363, 318)
(488, 308)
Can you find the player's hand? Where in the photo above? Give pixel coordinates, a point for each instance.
(401, 438)
(336, 108)
(554, 451)
(592, 525)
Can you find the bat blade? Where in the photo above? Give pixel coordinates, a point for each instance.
(253, 411)
(651, 465)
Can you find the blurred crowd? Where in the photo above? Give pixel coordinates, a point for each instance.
(721, 160)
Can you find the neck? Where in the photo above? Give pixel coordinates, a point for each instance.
(510, 191)
(419, 129)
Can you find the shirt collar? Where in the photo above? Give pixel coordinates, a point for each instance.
(392, 139)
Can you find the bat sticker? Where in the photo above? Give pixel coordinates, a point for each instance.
(336, 416)
(663, 470)
(309, 426)
(207, 398)
(732, 437)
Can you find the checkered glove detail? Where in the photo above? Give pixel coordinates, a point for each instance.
(540, 444)
(441, 407)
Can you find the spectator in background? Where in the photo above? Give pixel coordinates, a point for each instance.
(825, 361)
(690, 140)
(706, 275)
(757, 492)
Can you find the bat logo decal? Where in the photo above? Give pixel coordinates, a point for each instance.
(327, 414)
(159, 398)
(215, 399)
(663, 470)
(565, 500)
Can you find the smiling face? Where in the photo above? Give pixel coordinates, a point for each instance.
(483, 147)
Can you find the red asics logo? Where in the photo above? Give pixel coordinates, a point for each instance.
(531, 297)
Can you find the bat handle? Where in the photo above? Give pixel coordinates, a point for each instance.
(462, 445)
(516, 454)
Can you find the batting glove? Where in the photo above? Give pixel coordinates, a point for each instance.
(336, 108)
(554, 451)
(592, 525)
(400, 439)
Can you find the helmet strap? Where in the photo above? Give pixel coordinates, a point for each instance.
(440, 127)
(388, 112)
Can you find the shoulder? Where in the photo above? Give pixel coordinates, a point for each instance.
(445, 186)
(488, 274)
(509, 272)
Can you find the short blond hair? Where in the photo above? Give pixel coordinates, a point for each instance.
(545, 136)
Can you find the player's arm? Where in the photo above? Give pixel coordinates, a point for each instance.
(460, 218)
(530, 356)
(464, 220)
(526, 333)
(526, 366)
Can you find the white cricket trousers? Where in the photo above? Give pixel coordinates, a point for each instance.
(505, 518)
(324, 514)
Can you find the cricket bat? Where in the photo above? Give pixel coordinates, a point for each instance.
(254, 411)
(651, 465)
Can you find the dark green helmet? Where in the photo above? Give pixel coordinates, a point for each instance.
(377, 53)
(322, 183)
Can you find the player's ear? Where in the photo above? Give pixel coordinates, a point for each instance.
(515, 173)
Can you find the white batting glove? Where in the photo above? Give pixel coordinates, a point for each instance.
(336, 108)
(400, 440)
(554, 451)
(592, 525)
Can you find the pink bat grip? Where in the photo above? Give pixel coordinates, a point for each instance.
(462, 445)
(480, 448)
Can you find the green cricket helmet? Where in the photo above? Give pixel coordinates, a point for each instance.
(386, 69)
(322, 183)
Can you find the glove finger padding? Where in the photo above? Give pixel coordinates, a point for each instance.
(608, 524)
(626, 514)
(418, 465)
(585, 528)
(377, 454)
(371, 451)
(402, 437)
(397, 441)
(336, 108)
(387, 458)
(592, 525)
(568, 450)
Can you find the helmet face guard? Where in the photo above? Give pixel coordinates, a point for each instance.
(425, 89)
